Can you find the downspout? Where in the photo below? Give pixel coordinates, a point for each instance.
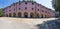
(16, 9)
(35, 10)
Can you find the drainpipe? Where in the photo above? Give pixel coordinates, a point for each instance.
(35, 10)
(16, 9)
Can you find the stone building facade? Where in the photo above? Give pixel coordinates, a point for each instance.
(28, 9)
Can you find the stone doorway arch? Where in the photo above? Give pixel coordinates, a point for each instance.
(14, 14)
(9, 14)
(37, 15)
(31, 15)
(41, 15)
(25, 14)
(19, 14)
(45, 16)
(6, 15)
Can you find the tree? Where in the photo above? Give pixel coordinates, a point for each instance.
(56, 5)
(1, 12)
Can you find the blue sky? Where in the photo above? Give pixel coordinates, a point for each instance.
(4, 3)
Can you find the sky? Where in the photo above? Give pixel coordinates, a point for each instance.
(46, 3)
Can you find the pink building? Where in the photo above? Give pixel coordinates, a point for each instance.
(27, 9)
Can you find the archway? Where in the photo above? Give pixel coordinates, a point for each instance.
(9, 14)
(41, 15)
(26, 15)
(31, 15)
(19, 14)
(38, 15)
(6, 15)
(45, 16)
(14, 14)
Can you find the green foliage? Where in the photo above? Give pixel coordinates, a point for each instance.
(1, 12)
(56, 5)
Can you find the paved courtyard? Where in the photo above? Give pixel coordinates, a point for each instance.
(21, 23)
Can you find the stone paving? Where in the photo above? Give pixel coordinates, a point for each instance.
(21, 23)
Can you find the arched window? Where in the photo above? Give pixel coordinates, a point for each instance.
(31, 15)
(19, 14)
(14, 14)
(26, 15)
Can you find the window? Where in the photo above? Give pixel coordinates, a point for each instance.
(25, 2)
(42, 10)
(6, 11)
(13, 4)
(49, 12)
(14, 9)
(9, 10)
(38, 9)
(32, 8)
(45, 11)
(25, 7)
(19, 3)
(19, 8)
(38, 4)
(9, 6)
(32, 3)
